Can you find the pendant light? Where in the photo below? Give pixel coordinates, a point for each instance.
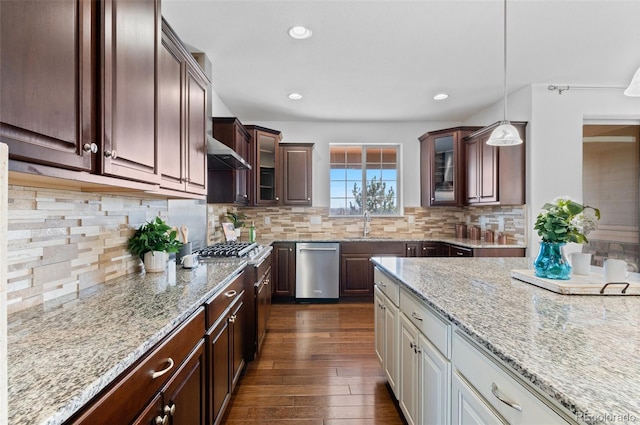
(634, 86)
(505, 134)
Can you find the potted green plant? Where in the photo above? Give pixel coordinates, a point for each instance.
(237, 219)
(152, 242)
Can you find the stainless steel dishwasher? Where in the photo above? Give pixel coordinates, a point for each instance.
(317, 271)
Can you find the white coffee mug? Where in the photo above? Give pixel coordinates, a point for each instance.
(581, 262)
(189, 261)
(615, 270)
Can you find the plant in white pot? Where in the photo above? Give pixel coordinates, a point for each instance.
(152, 242)
(238, 221)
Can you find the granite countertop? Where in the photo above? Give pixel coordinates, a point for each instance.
(61, 355)
(582, 351)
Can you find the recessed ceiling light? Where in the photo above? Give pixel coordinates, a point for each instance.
(295, 96)
(299, 32)
(440, 96)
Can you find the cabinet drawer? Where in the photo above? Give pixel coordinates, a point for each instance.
(498, 388)
(388, 286)
(458, 251)
(436, 329)
(223, 299)
(123, 401)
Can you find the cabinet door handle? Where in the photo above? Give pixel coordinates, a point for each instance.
(384, 285)
(496, 392)
(163, 371)
(415, 316)
(111, 154)
(162, 420)
(459, 253)
(230, 294)
(232, 319)
(277, 198)
(90, 147)
(170, 410)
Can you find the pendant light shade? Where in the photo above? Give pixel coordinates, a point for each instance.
(505, 134)
(634, 87)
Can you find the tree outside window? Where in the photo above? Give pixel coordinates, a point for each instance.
(372, 167)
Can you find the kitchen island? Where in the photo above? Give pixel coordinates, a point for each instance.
(582, 353)
(63, 354)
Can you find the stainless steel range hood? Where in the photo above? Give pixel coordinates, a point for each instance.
(222, 157)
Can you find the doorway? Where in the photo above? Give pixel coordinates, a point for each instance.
(610, 182)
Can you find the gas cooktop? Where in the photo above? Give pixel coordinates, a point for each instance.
(227, 249)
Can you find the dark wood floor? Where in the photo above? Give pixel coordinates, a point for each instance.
(317, 367)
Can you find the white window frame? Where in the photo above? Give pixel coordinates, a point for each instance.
(399, 187)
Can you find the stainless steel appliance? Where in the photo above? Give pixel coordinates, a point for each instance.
(317, 271)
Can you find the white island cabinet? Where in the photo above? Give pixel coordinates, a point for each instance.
(387, 294)
(445, 377)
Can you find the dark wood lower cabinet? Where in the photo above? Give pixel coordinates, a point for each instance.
(356, 269)
(184, 395)
(283, 270)
(189, 377)
(172, 371)
(220, 369)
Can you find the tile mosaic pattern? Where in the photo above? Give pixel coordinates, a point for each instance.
(581, 351)
(61, 241)
(295, 223)
(64, 352)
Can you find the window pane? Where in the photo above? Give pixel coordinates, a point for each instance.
(354, 154)
(356, 167)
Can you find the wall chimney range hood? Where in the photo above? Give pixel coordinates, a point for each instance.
(222, 157)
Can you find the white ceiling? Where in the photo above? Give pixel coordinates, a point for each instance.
(385, 60)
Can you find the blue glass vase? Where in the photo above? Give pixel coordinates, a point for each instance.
(551, 263)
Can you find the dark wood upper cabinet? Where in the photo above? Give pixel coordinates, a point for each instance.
(442, 174)
(495, 175)
(265, 173)
(131, 32)
(171, 111)
(48, 84)
(182, 109)
(296, 173)
(231, 186)
(196, 91)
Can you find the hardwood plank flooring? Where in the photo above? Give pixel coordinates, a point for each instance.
(317, 367)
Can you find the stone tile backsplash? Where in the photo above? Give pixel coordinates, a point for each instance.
(313, 223)
(61, 241)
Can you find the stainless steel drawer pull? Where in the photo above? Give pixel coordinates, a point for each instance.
(415, 316)
(459, 253)
(163, 371)
(231, 293)
(162, 420)
(496, 392)
(232, 319)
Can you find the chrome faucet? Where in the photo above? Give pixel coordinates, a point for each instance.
(367, 218)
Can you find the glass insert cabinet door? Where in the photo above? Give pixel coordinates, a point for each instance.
(266, 174)
(444, 172)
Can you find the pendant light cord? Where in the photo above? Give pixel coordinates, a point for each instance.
(504, 55)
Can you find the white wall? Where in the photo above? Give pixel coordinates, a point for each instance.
(324, 133)
(554, 138)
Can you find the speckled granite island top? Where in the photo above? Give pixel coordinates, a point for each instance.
(583, 351)
(60, 356)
